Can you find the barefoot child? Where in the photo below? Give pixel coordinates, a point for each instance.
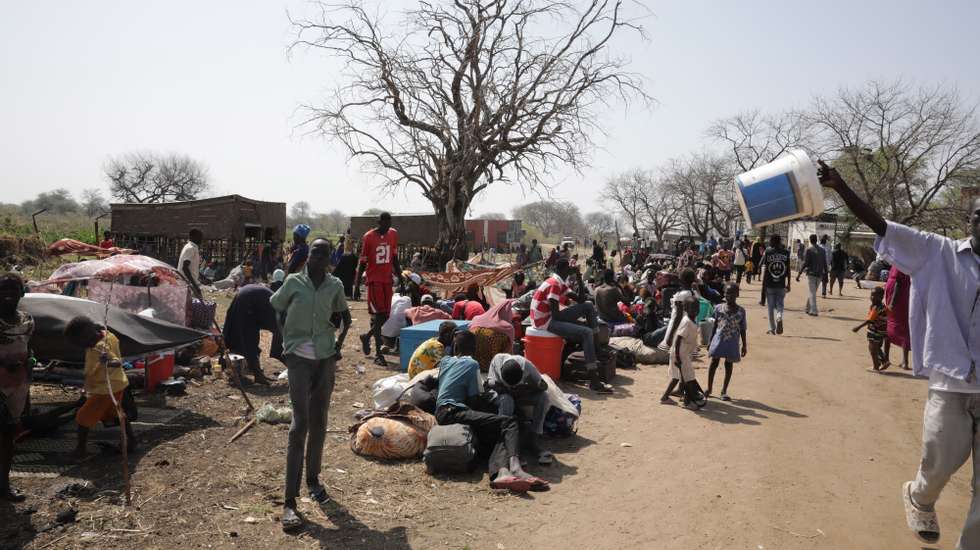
(877, 324)
(101, 353)
(683, 343)
(730, 326)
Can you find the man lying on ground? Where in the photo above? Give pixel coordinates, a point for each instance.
(459, 386)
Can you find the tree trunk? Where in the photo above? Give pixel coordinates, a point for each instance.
(451, 217)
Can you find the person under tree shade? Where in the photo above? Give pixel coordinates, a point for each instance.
(944, 323)
(311, 304)
(379, 262)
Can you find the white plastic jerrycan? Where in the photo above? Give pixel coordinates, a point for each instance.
(785, 189)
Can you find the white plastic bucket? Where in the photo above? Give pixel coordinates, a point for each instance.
(785, 189)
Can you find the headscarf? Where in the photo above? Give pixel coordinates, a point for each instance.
(278, 276)
(500, 317)
(302, 230)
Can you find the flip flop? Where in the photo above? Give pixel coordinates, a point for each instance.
(546, 458)
(538, 484)
(511, 483)
(291, 520)
(924, 524)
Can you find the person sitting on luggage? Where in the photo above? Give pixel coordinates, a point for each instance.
(551, 311)
(607, 299)
(518, 385)
(459, 387)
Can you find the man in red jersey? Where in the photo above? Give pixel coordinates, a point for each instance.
(379, 260)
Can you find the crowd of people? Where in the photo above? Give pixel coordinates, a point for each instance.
(672, 303)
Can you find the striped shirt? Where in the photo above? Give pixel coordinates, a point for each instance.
(553, 288)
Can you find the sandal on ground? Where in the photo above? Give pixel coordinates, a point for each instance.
(380, 361)
(924, 524)
(545, 458)
(667, 401)
(511, 483)
(538, 484)
(601, 387)
(291, 520)
(725, 397)
(318, 492)
(12, 495)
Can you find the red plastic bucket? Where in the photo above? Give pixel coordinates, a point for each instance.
(159, 368)
(544, 352)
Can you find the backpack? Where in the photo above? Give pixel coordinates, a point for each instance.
(450, 449)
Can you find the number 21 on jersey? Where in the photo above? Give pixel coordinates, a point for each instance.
(382, 254)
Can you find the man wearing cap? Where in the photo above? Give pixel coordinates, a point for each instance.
(299, 251)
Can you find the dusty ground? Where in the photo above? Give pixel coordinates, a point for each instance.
(811, 453)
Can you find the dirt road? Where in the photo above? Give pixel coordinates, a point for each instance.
(811, 453)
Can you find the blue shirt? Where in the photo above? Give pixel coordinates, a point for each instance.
(459, 379)
(944, 313)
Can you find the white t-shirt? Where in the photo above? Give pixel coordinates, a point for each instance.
(942, 382)
(190, 253)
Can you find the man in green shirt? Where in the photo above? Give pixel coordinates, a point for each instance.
(311, 304)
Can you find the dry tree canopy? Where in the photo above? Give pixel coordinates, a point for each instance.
(455, 96)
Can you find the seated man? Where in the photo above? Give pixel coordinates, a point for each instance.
(547, 314)
(519, 384)
(607, 299)
(459, 384)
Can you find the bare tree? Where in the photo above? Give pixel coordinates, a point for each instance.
(493, 216)
(456, 97)
(625, 192)
(752, 138)
(900, 146)
(552, 218)
(600, 225)
(702, 187)
(150, 177)
(93, 202)
(661, 212)
(300, 212)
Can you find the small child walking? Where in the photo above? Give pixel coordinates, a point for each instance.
(101, 353)
(877, 324)
(730, 326)
(683, 342)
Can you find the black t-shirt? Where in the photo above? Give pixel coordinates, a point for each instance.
(838, 260)
(776, 262)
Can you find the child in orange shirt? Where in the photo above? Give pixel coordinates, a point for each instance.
(101, 353)
(877, 324)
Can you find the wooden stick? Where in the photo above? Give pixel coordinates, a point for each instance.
(115, 403)
(248, 426)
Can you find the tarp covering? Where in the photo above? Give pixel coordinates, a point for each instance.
(457, 278)
(114, 267)
(71, 246)
(137, 335)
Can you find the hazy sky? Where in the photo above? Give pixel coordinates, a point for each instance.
(80, 81)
